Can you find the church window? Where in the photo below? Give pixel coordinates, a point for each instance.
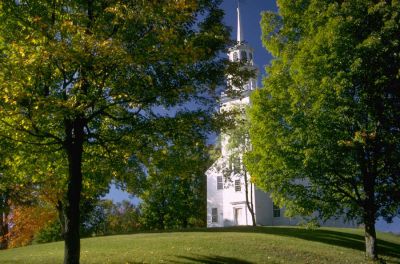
(243, 55)
(238, 186)
(235, 56)
(276, 211)
(220, 184)
(214, 215)
(250, 56)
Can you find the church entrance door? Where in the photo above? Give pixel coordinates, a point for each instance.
(238, 216)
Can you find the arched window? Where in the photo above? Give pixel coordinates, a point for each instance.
(243, 55)
(250, 56)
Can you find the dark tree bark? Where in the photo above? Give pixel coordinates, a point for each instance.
(74, 149)
(368, 168)
(369, 219)
(370, 236)
(61, 217)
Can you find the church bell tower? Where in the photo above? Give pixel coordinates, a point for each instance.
(244, 53)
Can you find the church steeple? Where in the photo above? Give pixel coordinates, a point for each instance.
(239, 37)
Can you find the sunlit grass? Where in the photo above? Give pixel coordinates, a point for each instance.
(233, 245)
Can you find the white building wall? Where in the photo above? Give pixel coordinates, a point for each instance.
(263, 207)
(235, 201)
(214, 197)
(285, 221)
(228, 201)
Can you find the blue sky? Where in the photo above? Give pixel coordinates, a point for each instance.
(250, 15)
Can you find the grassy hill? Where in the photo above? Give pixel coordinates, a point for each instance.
(232, 245)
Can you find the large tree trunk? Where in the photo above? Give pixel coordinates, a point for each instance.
(248, 203)
(370, 237)
(369, 171)
(74, 149)
(369, 223)
(61, 218)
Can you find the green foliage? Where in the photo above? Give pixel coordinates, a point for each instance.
(50, 233)
(311, 224)
(103, 218)
(16, 188)
(91, 88)
(325, 129)
(175, 192)
(173, 202)
(120, 218)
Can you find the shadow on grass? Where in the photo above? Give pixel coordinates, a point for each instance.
(335, 238)
(212, 259)
(330, 237)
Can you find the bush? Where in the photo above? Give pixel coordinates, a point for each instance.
(309, 224)
(50, 233)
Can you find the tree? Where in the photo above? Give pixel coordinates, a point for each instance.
(7, 191)
(121, 218)
(84, 80)
(15, 190)
(27, 221)
(104, 218)
(173, 202)
(325, 129)
(109, 218)
(174, 194)
(51, 232)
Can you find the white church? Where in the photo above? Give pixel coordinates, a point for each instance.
(226, 198)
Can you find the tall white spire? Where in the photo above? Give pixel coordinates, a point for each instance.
(239, 25)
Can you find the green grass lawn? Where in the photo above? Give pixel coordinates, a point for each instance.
(230, 245)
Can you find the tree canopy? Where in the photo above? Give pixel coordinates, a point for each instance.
(174, 193)
(88, 84)
(325, 128)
